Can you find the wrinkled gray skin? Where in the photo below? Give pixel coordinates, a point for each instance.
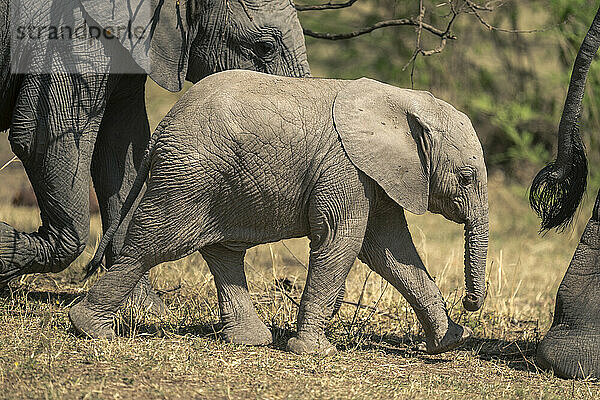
(571, 348)
(247, 158)
(61, 126)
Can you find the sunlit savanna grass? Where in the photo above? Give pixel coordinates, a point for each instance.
(180, 356)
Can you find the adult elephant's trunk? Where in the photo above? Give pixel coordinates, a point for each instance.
(476, 245)
(557, 189)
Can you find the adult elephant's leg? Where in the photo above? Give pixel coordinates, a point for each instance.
(572, 345)
(120, 146)
(339, 299)
(54, 127)
(238, 315)
(389, 250)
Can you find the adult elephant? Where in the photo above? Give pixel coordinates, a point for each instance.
(572, 346)
(86, 114)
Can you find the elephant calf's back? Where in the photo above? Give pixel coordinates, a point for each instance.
(252, 153)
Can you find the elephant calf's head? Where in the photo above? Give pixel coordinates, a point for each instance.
(259, 35)
(426, 156)
(458, 190)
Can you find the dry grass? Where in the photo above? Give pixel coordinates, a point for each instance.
(182, 357)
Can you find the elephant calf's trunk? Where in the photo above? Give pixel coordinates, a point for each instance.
(476, 244)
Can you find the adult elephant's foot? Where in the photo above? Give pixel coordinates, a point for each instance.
(453, 337)
(14, 253)
(38, 252)
(572, 346)
(305, 343)
(91, 323)
(570, 353)
(7, 273)
(249, 331)
(143, 298)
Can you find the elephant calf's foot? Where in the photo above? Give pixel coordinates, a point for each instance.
(144, 298)
(304, 343)
(249, 331)
(454, 336)
(90, 323)
(147, 301)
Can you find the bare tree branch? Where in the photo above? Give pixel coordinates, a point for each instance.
(419, 49)
(437, 50)
(326, 6)
(475, 8)
(378, 25)
(457, 7)
(443, 40)
(420, 21)
(488, 6)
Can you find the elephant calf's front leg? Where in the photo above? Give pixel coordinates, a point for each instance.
(240, 322)
(388, 249)
(327, 272)
(335, 243)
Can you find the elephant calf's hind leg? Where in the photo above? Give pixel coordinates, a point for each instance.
(120, 146)
(241, 324)
(151, 239)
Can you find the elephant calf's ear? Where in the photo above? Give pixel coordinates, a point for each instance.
(381, 131)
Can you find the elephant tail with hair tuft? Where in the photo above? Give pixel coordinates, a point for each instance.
(558, 188)
(96, 261)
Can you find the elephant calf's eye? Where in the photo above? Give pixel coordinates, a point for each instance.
(466, 176)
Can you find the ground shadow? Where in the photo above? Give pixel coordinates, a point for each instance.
(517, 354)
(281, 336)
(62, 298)
(406, 346)
(127, 327)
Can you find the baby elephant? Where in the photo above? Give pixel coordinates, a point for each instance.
(245, 158)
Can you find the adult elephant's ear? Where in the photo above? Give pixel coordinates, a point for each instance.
(385, 131)
(157, 34)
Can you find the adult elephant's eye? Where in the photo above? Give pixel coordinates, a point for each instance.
(265, 49)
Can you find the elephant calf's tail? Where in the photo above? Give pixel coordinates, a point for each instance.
(136, 188)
